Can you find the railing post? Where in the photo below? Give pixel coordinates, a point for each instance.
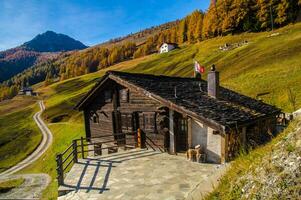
(139, 137)
(59, 169)
(74, 144)
(82, 146)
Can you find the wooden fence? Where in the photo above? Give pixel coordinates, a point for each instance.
(80, 148)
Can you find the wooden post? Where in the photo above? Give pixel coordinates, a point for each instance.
(224, 140)
(82, 146)
(139, 137)
(172, 139)
(59, 169)
(74, 145)
(189, 124)
(244, 138)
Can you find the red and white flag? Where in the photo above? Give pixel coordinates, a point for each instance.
(198, 68)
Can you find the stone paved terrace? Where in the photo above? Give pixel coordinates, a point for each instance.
(140, 174)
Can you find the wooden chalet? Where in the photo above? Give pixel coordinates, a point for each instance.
(178, 113)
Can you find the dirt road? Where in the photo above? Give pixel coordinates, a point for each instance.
(34, 184)
(43, 146)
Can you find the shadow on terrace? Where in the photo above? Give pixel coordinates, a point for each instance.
(93, 174)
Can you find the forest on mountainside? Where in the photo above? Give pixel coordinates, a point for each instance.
(223, 17)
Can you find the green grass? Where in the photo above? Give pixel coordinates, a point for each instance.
(63, 134)
(19, 135)
(245, 163)
(266, 64)
(15, 104)
(11, 184)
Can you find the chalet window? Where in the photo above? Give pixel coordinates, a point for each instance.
(148, 122)
(215, 132)
(183, 125)
(108, 96)
(124, 95)
(95, 118)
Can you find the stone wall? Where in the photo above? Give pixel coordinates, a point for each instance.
(210, 142)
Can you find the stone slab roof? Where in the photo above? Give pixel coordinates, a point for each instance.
(189, 95)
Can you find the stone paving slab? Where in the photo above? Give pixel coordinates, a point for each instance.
(32, 187)
(138, 174)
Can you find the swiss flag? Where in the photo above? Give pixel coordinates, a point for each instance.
(198, 68)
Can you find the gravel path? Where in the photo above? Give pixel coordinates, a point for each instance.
(34, 184)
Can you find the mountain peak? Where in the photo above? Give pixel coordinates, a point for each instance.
(51, 41)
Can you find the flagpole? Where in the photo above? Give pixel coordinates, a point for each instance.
(194, 75)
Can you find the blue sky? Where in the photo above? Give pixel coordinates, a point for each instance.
(90, 21)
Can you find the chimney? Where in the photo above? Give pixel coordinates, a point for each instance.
(213, 82)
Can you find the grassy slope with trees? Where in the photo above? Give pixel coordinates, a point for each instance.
(223, 18)
(264, 65)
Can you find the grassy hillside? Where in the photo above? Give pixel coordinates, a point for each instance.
(265, 64)
(19, 135)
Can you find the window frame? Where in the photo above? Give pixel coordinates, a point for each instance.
(149, 122)
(124, 95)
(108, 96)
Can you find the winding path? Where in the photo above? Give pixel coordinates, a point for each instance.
(43, 146)
(34, 183)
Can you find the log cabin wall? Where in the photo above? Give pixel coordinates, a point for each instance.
(98, 116)
(233, 143)
(249, 137)
(115, 98)
(260, 132)
(147, 114)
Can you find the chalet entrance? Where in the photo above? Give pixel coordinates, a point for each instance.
(181, 132)
(151, 135)
(126, 123)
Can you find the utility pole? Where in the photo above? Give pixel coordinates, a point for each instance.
(271, 13)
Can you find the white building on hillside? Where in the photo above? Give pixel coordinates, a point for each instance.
(167, 47)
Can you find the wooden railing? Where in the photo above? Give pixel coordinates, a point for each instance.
(79, 147)
(149, 143)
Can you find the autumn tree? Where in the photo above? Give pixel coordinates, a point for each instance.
(183, 31)
(173, 35)
(286, 11)
(199, 27)
(211, 25)
(265, 13)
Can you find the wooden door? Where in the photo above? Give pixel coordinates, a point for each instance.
(117, 125)
(181, 132)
